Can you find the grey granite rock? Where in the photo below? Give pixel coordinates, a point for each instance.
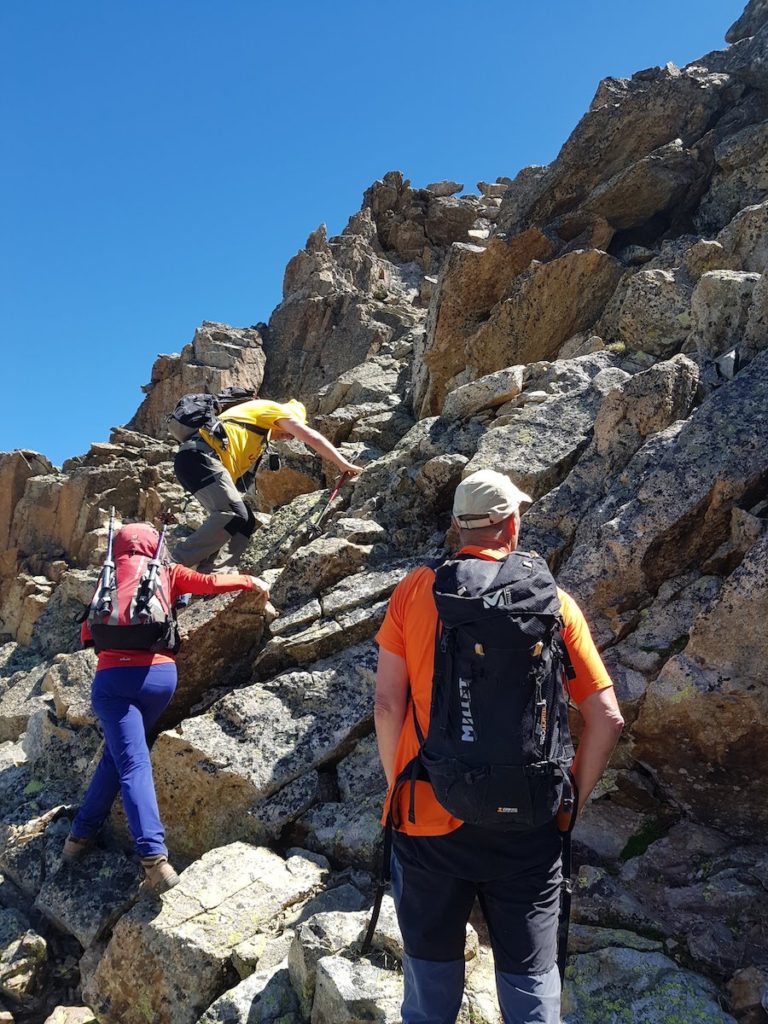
(23, 956)
(266, 997)
(184, 942)
(642, 987)
(213, 778)
(87, 897)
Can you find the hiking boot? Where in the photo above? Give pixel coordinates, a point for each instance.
(76, 847)
(158, 873)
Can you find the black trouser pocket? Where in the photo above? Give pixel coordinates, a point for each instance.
(195, 469)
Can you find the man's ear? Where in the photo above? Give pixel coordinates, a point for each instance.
(453, 537)
(511, 528)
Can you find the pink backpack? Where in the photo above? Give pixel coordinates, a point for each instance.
(131, 609)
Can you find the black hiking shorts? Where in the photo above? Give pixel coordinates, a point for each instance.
(200, 472)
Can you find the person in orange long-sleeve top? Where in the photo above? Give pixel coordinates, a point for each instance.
(131, 689)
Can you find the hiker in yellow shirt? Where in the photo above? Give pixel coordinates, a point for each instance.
(218, 470)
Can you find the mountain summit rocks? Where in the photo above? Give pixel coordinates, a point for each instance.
(598, 329)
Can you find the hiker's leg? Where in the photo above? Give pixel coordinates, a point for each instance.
(529, 998)
(432, 910)
(101, 793)
(432, 991)
(522, 913)
(239, 541)
(203, 475)
(128, 706)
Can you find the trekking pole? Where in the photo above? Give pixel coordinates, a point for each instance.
(102, 599)
(566, 886)
(148, 582)
(316, 528)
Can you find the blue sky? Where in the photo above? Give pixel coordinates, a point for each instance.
(163, 159)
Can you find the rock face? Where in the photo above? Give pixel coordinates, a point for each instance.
(648, 984)
(715, 680)
(754, 17)
(185, 948)
(250, 765)
(473, 280)
(532, 322)
(597, 329)
(217, 357)
(22, 955)
(680, 512)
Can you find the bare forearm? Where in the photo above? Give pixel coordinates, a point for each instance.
(322, 446)
(389, 723)
(389, 706)
(595, 748)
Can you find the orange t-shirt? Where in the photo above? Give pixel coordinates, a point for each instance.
(408, 631)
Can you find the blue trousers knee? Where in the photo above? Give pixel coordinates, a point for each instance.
(128, 702)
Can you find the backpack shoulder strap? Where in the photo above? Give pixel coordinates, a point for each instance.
(263, 431)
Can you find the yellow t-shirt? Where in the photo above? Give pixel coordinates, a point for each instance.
(245, 446)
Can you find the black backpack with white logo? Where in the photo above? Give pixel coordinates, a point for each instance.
(498, 750)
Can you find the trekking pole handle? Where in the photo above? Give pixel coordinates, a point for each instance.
(339, 484)
(110, 533)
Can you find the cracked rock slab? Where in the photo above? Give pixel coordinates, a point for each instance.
(350, 829)
(21, 694)
(69, 681)
(184, 941)
(31, 840)
(266, 997)
(86, 898)
(711, 698)
(537, 444)
(671, 506)
(348, 992)
(214, 779)
(643, 987)
(23, 955)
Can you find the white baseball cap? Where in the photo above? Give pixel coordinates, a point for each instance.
(485, 498)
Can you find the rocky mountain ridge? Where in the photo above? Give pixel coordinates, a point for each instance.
(598, 329)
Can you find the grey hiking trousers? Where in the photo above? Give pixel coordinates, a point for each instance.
(230, 521)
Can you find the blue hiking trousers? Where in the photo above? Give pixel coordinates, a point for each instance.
(128, 702)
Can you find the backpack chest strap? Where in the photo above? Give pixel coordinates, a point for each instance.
(251, 427)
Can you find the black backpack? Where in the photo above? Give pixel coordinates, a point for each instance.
(498, 750)
(200, 411)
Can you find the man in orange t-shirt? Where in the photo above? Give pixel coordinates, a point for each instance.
(439, 863)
